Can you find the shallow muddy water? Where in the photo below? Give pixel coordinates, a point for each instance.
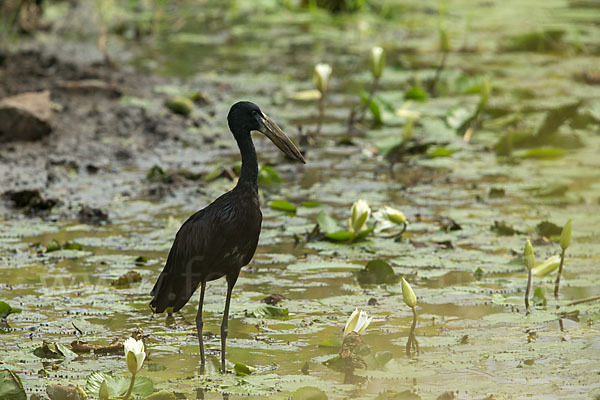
(475, 336)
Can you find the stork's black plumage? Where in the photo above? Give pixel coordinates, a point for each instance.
(220, 239)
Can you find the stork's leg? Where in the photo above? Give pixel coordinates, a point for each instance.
(230, 284)
(200, 324)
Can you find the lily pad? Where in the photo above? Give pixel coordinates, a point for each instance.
(241, 369)
(269, 311)
(282, 205)
(535, 317)
(53, 351)
(543, 153)
(11, 387)
(377, 272)
(309, 393)
(118, 385)
(327, 223)
(6, 310)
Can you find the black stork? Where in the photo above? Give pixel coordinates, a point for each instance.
(221, 238)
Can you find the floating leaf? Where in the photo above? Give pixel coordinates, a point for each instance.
(548, 229)
(327, 223)
(543, 41)
(416, 93)
(6, 310)
(242, 369)
(309, 393)
(65, 392)
(366, 232)
(556, 117)
(439, 151)
(342, 236)
(333, 343)
(535, 317)
(457, 117)
(127, 279)
(502, 228)
(323, 265)
(53, 351)
(496, 193)
(118, 385)
(268, 176)
(72, 246)
(162, 395)
(377, 272)
(53, 245)
(11, 387)
(157, 174)
(543, 153)
(269, 311)
(215, 173)
(404, 395)
(551, 190)
(141, 260)
(180, 105)
(311, 204)
(378, 360)
(282, 205)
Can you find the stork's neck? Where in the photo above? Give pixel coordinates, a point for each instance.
(249, 174)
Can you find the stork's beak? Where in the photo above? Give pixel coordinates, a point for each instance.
(274, 132)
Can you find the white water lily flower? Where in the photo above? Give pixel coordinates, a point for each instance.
(135, 354)
(405, 112)
(358, 322)
(360, 215)
(321, 75)
(377, 61)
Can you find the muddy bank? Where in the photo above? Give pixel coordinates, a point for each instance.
(109, 126)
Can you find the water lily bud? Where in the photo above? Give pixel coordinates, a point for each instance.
(358, 322)
(377, 61)
(360, 214)
(529, 256)
(486, 89)
(321, 75)
(396, 216)
(409, 296)
(444, 40)
(103, 393)
(565, 236)
(82, 393)
(135, 354)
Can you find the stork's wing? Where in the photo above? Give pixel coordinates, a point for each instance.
(197, 251)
